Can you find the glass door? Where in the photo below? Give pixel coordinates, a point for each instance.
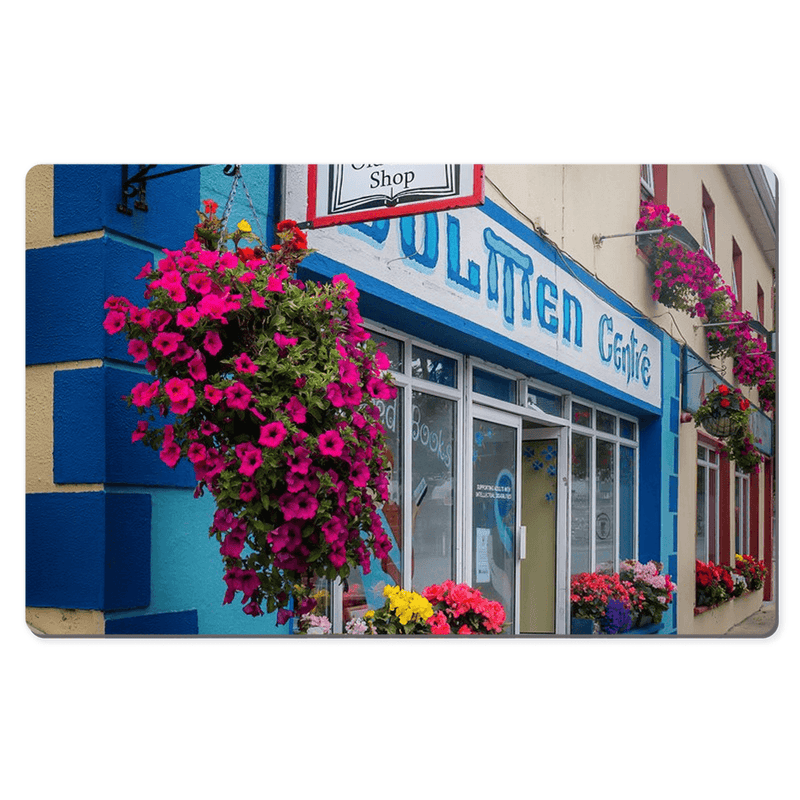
(495, 508)
(543, 479)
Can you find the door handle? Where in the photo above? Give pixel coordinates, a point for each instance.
(522, 535)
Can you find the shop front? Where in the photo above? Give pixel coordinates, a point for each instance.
(534, 432)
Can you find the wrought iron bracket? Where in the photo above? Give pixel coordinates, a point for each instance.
(134, 186)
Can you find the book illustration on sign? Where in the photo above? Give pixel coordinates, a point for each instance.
(353, 187)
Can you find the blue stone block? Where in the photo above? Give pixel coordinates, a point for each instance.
(66, 287)
(87, 550)
(85, 198)
(79, 403)
(177, 623)
(65, 550)
(128, 546)
(673, 494)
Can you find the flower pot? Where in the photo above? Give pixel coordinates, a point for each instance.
(582, 627)
(720, 426)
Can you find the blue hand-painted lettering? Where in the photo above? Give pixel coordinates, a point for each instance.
(512, 259)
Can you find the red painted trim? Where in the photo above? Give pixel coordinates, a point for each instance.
(724, 509)
(477, 198)
(768, 532)
(660, 184)
(311, 191)
(754, 518)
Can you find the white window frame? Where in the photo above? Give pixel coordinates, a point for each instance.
(708, 464)
(593, 434)
(706, 246)
(742, 531)
(646, 179)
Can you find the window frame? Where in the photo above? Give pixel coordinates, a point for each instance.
(618, 441)
(710, 464)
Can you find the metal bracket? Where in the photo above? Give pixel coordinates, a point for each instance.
(135, 185)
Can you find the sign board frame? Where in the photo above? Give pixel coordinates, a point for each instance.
(450, 194)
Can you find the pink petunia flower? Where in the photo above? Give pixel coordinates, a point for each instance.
(197, 368)
(212, 394)
(114, 321)
(167, 342)
(212, 343)
(256, 300)
(244, 364)
(170, 454)
(138, 349)
(143, 394)
(330, 444)
(272, 434)
(199, 283)
(250, 457)
(188, 317)
(238, 396)
(284, 341)
(141, 429)
(296, 410)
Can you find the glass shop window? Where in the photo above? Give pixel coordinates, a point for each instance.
(604, 490)
(707, 526)
(496, 386)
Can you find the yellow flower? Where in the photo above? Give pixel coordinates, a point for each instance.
(244, 226)
(369, 614)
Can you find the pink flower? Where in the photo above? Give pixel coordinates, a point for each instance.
(272, 434)
(196, 452)
(178, 388)
(212, 343)
(212, 394)
(348, 372)
(296, 410)
(299, 460)
(334, 394)
(238, 396)
(349, 287)
(244, 364)
(250, 457)
(138, 349)
(359, 474)
(284, 341)
(170, 454)
(167, 342)
(141, 428)
(143, 394)
(248, 491)
(256, 300)
(199, 282)
(197, 368)
(228, 261)
(330, 444)
(275, 284)
(188, 317)
(378, 389)
(114, 322)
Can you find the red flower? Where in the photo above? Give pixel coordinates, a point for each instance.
(724, 402)
(723, 390)
(744, 404)
(285, 225)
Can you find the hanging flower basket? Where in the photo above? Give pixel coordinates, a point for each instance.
(722, 426)
(724, 412)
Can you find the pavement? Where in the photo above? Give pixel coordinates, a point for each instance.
(763, 623)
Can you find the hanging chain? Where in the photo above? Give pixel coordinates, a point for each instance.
(253, 209)
(237, 176)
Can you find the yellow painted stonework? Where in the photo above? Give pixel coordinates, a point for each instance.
(65, 622)
(39, 211)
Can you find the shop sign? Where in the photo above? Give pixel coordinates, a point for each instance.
(468, 264)
(347, 193)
